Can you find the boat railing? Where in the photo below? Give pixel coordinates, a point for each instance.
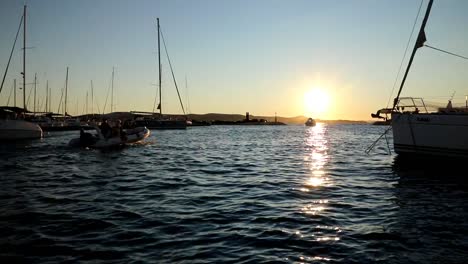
(418, 105)
(411, 105)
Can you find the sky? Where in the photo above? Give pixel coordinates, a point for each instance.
(257, 56)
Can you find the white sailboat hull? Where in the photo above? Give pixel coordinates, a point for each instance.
(433, 134)
(19, 129)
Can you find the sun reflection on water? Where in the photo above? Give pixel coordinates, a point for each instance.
(313, 259)
(317, 155)
(316, 159)
(312, 209)
(315, 181)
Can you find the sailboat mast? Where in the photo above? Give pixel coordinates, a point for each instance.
(419, 43)
(112, 90)
(159, 65)
(50, 98)
(24, 58)
(35, 82)
(92, 97)
(186, 91)
(66, 93)
(47, 97)
(14, 92)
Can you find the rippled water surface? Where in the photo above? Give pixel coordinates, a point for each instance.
(231, 194)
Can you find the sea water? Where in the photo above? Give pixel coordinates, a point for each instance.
(230, 194)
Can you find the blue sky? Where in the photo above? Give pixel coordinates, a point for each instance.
(238, 56)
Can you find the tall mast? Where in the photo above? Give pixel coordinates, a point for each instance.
(35, 82)
(186, 91)
(50, 98)
(86, 112)
(419, 43)
(92, 97)
(47, 97)
(24, 58)
(14, 92)
(159, 65)
(66, 93)
(112, 90)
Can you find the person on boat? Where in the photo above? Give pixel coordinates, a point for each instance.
(86, 139)
(106, 129)
(122, 133)
(449, 106)
(117, 130)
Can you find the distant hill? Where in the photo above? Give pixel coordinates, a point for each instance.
(211, 117)
(288, 120)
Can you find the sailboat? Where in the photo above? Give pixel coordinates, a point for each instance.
(12, 123)
(61, 122)
(417, 131)
(159, 121)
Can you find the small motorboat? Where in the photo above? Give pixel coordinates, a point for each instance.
(97, 140)
(310, 122)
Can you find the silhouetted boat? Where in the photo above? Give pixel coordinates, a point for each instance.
(12, 127)
(157, 122)
(418, 131)
(310, 122)
(97, 140)
(60, 124)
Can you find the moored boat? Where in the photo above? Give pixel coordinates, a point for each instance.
(156, 121)
(160, 121)
(12, 124)
(12, 129)
(418, 130)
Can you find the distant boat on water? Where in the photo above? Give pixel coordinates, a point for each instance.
(310, 122)
(159, 121)
(12, 123)
(420, 131)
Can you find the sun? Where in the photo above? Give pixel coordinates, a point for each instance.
(316, 101)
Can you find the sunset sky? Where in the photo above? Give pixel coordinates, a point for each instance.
(261, 56)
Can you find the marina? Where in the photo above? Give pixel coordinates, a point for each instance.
(270, 156)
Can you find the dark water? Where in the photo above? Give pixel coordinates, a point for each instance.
(231, 194)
